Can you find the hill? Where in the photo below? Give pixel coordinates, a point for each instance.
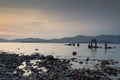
(79, 38)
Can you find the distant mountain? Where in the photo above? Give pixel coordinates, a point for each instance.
(86, 39)
(3, 40)
(79, 38)
(28, 40)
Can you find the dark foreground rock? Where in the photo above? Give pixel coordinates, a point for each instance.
(40, 67)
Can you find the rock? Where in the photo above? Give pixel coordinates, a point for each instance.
(42, 57)
(73, 59)
(49, 57)
(35, 56)
(87, 59)
(36, 49)
(74, 53)
(80, 62)
(118, 79)
(50, 68)
(111, 71)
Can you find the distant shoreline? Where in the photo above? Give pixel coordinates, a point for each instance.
(55, 42)
(76, 39)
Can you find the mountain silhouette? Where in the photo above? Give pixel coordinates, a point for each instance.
(79, 38)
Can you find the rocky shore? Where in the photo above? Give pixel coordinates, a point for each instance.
(40, 67)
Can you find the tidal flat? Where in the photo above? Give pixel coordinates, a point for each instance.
(40, 67)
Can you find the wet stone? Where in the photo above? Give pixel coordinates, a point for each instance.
(74, 53)
(50, 68)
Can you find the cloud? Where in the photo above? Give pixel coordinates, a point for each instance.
(36, 24)
(57, 18)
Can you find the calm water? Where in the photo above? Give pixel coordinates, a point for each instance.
(59, 49)
(63, 51)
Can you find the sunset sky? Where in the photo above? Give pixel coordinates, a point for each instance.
(58, 18)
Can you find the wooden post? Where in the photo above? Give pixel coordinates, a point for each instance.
(105, 45)
(78, 44)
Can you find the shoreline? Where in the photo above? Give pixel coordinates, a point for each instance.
(40, 67)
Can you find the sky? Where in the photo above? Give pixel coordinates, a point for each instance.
(49, 19)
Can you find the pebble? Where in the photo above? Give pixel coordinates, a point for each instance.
(50, 68)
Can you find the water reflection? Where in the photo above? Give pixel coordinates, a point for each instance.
(105, 50)
(93, 52)
(61, 50)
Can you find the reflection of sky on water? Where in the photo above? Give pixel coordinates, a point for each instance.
(63, 51)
